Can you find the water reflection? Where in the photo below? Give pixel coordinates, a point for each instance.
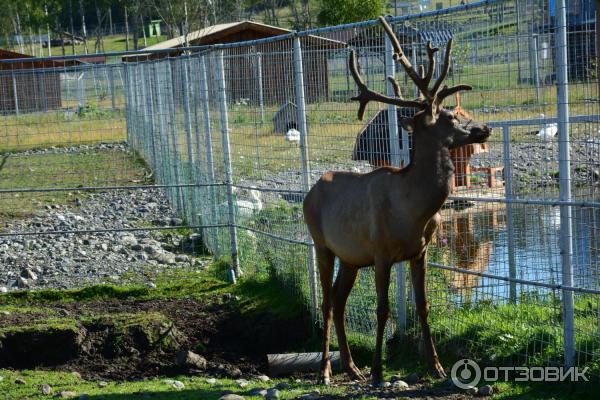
(477, 239)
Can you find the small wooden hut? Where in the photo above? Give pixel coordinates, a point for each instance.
(28, 86)
(273, 61)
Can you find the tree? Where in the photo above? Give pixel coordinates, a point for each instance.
(334, 12)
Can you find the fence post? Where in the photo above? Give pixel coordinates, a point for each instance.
(163, 133)
(205, 96)
(534, 65)
(187, 115)
(508, 194)
(81, 90)
(173, 71)
(303, 128)
(261, 100)
(566, 234)
(235, 262)
(14, 83)
(111, 82)
(394, 138)
(127, 74)
(148, 116)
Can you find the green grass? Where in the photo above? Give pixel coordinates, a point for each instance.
(94, 168)
(256, 296)
(95, 123)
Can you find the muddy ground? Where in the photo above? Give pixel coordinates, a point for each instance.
(132, 339)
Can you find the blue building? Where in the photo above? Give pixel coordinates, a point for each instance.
(582, 35)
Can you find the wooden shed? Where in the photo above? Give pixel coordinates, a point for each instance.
(29, 86)
(273, 61)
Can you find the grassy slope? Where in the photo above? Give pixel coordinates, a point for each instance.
(256, 296)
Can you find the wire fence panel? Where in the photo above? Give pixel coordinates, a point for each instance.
(226, 140)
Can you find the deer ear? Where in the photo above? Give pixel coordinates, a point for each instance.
(408, 124)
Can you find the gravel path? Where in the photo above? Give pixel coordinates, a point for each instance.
(74, 260)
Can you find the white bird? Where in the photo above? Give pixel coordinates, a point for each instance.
(292, 135)
(548, 131)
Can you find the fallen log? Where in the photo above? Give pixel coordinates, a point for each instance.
(284, 364)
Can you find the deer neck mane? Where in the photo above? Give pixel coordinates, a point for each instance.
(430, 172)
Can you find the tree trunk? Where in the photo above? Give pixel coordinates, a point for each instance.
(48, 30)
(143, 30)
(98, 47)
(72, 28)
(136, 32)
(83, 28)
(126, 30)
(112, 32)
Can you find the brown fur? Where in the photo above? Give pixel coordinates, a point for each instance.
(388, 215)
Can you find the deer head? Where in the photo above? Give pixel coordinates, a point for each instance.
(432, 120)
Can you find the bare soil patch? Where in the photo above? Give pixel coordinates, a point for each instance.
(133, 339)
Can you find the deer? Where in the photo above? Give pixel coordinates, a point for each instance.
(388, 215)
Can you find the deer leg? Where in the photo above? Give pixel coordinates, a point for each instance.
(382, 284)
(341, 290)
(418, 268)
(325, 259)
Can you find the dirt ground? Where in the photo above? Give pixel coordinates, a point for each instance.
(104, 348)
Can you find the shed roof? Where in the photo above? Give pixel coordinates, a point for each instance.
(44, 63)
(225, 33)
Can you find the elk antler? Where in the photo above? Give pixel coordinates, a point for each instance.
(366, 95)
(429, 99)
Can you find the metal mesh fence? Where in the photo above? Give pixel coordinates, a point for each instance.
(223, 142)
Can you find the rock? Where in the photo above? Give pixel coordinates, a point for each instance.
(258, 392)
(151, 285)
(28, 274)
(242, 383)
(75, 374)
(4, 312)
(102, 384)
(309, 396)
(262, 378)
(181, 258)
(485, 390)
(20, 381)
(472, 390)
(283, 386)
(176, 222)
(272, 394)
(189, 359)
(66, 394)
(47, 390)
(3, 289)
(128, 241)
(412, 379)
(400, 385)
(232, 396)
(178, 385)
(211, 381)
(21, 283)
(165, 258)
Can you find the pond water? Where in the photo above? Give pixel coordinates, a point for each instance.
(477, 239)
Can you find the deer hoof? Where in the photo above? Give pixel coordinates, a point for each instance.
(325, 381)
(438, 372)
(355, 374)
